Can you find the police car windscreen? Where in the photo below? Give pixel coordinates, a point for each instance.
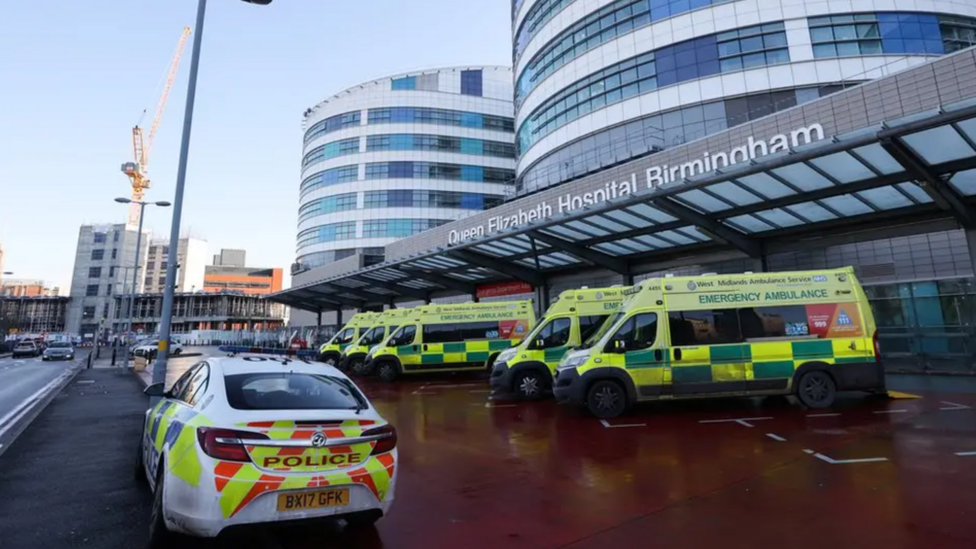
(290, 391)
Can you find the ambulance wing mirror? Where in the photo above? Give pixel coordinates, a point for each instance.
(155, 390)
(619, 346)
(540, 343)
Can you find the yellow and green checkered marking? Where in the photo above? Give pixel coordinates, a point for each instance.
(464, 354)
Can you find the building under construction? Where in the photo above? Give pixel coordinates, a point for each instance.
(201, 311)
(33, 315)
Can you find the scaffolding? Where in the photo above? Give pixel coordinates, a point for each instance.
(202, 311)
(33, 315)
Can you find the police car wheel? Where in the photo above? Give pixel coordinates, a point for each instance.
(529, 385)
(159, 535)
(387, 371)
(816, 389)
(606, 399)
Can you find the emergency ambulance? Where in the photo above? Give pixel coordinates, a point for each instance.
(454, 337)
(331, 351)
(809, 334)
(527, 370)
(354, 356)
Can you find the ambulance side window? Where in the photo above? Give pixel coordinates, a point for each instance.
(344, 336)
(404, 337)
(704, 327)
(639, 332)
(783, 321)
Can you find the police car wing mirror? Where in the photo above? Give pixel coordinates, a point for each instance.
(155, 390)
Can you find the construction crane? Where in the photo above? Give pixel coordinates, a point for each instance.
(137, 169)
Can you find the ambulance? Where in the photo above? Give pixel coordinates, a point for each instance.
(455, 337)
(331, 351)
(354, 356)
(808, 334)
(527, 370)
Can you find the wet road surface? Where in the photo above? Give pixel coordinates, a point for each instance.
(475, 473)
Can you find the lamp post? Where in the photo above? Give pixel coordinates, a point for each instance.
(135, 268)
(159, 370)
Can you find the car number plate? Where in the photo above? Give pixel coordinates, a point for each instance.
(313, 500)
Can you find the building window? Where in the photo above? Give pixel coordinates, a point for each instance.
(440, 117)
(153, 250)
(435, 170)
(327, 233)
(91, 290)
(105, 310)
(405, 83)
(333, 176)
(94, 272)
(115, 236)
(111, 272)
(98, 255)
(405, 198)
(165, 251)
(164, 265)
(752, 47)
(890, 33)
(342, 254)
(438, 143)
(332, 124)
(331, 150)
(88, 312)
(471, 83)
(399, 228)
(115, 253)
(327, 205)
(148, 282)
(100, 238)
(162, 282)
(151, 266)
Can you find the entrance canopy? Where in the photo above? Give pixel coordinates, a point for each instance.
(918, 168)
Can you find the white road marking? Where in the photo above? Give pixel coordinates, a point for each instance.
(832, 461)
(823, 415)
(965, 454)
(777, 438)
(741, 421)
(608, 426)
(890, 412)
(954, 406)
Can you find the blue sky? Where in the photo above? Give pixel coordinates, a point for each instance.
(77, 76)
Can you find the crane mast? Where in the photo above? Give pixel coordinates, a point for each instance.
(136, 170)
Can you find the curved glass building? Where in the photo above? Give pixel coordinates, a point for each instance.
(399, 155)
(601, 82)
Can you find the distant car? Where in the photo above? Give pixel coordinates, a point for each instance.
(150, 349)
(26, 348)
(59, 350)
(259, 439)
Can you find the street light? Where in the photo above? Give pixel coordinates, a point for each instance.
(135, 269)
(159, 370)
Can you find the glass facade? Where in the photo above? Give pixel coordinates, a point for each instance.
(327, 205)
(472, 83)
(331, 150)
(327, 233)
(437, 170)
(333, 176)
(419, 198)
(658, 132)
(890, 33)
(439, 143)
(399, 228)
(441, 117)
(705, 56)
(332, 124)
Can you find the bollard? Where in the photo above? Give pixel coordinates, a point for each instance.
(89, 360)
(113, 357)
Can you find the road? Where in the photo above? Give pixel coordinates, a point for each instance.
(21, 378)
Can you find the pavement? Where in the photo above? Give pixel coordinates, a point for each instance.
(482, 473)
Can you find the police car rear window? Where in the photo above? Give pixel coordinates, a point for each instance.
(291, 391)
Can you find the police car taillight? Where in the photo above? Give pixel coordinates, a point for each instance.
(226, 444)
(387, 441)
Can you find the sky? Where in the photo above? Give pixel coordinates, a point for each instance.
(76, 76)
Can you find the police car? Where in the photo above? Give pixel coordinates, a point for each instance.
(261, 439)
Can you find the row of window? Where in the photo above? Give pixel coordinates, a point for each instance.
(400, 198)
(318, 259)
(331, 150)
(658, 132)
(440, 117)
(346, 230)
(437, 170)
(616, 19)
(101, 238)
(98, 254)
(890, 33)
(471, 82)
(332, 124)
(332, 176)
(724, 52)
(439, 143)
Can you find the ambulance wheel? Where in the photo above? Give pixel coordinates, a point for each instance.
(816, 389)
(606, 399)
(139, 471)
(529, 385)
(387, 371)
(357, 367)
(159, 534)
